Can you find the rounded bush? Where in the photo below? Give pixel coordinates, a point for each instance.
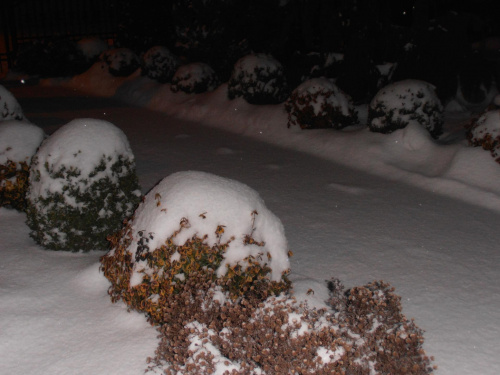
(194, 78)
(259, 79)
(121, 62)
(19, 141)
(194, 224)
(82, 185)
(91, 48)
(160, 64)
(9, 106)
(319, 103)
(485, 132)
(404, 102)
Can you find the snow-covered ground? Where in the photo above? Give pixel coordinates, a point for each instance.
(420, 214)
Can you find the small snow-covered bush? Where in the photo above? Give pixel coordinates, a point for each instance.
(485, 132)
(401, 103)
(18, 143)
(160, 64)
(91, 48)
(365, 332)
(9, 106)
(82, 186)
(194, 224)
(319, 103)
(259, 79)
(194, 78)
(121, 62)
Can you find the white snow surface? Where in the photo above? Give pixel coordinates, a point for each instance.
(79, 145)
(19, 140)
(207, 201)
(418, 213)
(9, 107)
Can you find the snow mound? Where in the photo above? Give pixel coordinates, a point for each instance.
(9, 107)
(207, 201)
(19, 141)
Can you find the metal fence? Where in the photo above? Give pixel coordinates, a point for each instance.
(24, 21)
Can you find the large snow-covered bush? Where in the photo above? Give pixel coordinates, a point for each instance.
(82, 186)
(121, 62)
(361, 331)
(202, 227)
(485, 132)
(160, 64)
(19, 141)
(259, 79)
(194, 78)
(401, 103)
(319, 103)
(9, 106)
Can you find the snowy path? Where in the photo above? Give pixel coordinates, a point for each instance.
(440, 254)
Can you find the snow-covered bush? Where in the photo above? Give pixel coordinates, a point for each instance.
(190, 225)
(319, 103)
(259, 79)
(485, 132)
(19, 141)
(82, 186)
(91, 48)
(365, 332)
(9, 106)
(121, 62)
(160, 64)
(401, 103)
(194, 78)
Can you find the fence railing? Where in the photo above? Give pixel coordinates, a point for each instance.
(24, 21)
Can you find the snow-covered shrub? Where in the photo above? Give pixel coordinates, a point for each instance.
(401, 103)
(259, 79)
(319, 103)
(160, 64)
(485, 132)
(91, 48)
(365, 334)
(9, 106)
(194, 78)
(121, 62)
(82, 186)
(18, 143)
(190, 225)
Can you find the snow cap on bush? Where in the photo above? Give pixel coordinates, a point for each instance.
(82, 186)
(194, 78)
(319, 103)
(404, 102)
(9, 107)
(121, 62)
(208, 201)
(259, 79)
(18, 143)
(160, 64)
(92, 48)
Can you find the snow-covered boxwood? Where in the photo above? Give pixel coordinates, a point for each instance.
(82, 186)
(91, 48)
(195, 78)
(160, 64)
(194, 226)
(401, 103)
(319, 103)
(121, 62)
(485, 132)
(19, 141)
(259, 79)
(9, 106)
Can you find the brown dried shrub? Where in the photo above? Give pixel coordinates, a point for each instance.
(13, 184)
(366, 330)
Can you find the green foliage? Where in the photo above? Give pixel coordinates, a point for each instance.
(13, 184)
(84, 212)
